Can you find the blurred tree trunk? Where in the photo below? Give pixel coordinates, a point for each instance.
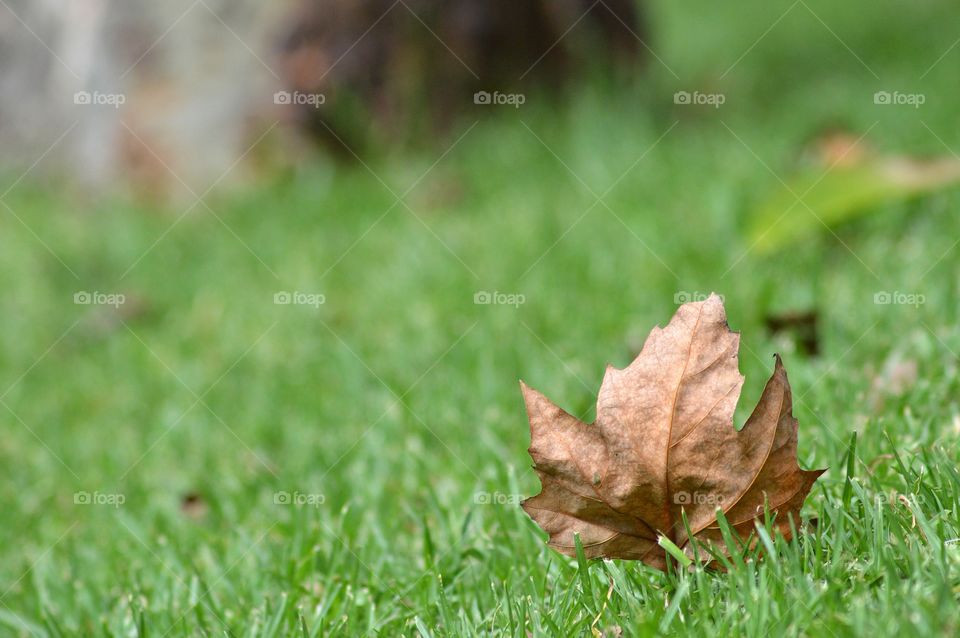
(380, 63)
(177, 91)
(189, 76)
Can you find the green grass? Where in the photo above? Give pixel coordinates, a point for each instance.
(397, 399)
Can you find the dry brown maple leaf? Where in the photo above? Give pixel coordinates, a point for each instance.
(664, 442)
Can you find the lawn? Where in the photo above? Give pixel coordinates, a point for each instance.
(205, 459)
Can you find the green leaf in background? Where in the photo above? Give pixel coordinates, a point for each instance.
(821, 198)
